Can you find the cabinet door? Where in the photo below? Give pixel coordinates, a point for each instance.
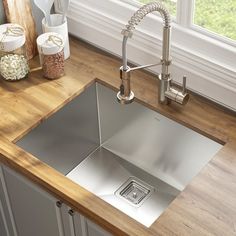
(3, 225)
(35, 212)
(84, 227)
(71, 222)
(7, 224)
(95, 230)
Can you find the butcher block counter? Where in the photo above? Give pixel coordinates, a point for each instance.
(207, 206)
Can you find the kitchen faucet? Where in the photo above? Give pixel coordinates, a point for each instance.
(166, 92)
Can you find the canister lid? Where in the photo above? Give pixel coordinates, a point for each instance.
(50, 43)
(12, 37)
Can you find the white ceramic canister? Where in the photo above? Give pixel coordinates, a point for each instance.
(51, 53)
(60, 28)
(13, 61)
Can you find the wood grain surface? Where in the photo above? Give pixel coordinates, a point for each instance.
(207, 206)
(19, 11)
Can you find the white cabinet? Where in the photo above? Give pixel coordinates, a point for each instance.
(71, 227)
(34, 211)
(27, 210)
(87, 228)
(95, 230)
(3, 226)
(7, 224)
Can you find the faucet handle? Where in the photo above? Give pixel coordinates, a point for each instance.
(184, 84)
(177, 95)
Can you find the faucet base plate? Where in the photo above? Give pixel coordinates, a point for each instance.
(125, 100)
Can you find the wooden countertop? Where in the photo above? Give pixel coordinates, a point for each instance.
(207, 206)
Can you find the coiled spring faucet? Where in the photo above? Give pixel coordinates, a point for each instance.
(166, 92)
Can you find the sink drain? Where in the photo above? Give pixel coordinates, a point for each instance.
(134, 191)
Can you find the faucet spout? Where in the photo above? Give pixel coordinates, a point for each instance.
(165, 90)
(135, 20)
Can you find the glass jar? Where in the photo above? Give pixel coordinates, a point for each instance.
(51, 54)
(13, 61)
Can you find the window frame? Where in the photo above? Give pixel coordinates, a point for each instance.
(185, 18)
(197, 53)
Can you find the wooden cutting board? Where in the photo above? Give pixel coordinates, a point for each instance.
(19, 11)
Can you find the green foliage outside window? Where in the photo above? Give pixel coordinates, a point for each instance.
(170, 5)
(218, 16)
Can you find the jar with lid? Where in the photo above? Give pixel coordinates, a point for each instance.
(13, 61)
(51, 54)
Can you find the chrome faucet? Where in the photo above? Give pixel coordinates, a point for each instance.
(166, 92)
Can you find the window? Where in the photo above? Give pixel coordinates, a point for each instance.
(216, 16)
(170, 4)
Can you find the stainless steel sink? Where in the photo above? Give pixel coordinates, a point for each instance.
(130, 156)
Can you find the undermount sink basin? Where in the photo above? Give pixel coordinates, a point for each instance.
(130, 156)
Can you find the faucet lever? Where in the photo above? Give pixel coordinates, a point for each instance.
(184, 84)
(145, 66)
(177, 95)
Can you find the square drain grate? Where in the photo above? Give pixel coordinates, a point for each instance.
(134, 191)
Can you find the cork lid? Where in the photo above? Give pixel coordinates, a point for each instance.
(12, 37)
(50, 43)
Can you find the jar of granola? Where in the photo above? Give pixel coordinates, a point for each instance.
(51, 54)
(13, 61)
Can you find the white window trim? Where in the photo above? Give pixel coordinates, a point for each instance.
(208, 63)
(184, 15)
